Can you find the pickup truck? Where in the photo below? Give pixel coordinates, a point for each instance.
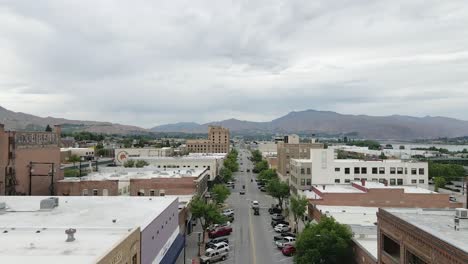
(213, 256)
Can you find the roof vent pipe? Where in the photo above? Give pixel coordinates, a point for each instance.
(70, 234)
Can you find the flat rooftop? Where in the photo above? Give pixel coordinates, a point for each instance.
(190, 157)
(377, 161)
(31, 235)
(361, 220)
(437, 222)
(337, 188)
(302, 160)
(406, 189)
(118, 173)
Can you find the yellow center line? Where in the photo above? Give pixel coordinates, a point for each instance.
(252, 239)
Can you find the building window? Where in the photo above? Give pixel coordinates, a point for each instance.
(391, 247)
(375, 180)
(421, 171)
(308, 171)
(381, 170)
(399, 181)
(363, 170)
(414, 181)
(302, 182)
(421, 181)
(337, 169)
(392, 170)
(347, 180)
(399, 170)
(95, 192)
(85, 192)
(381, 180)
(374, 170)
(356, 170)
(414, 171)
(162, 193)
(337, 180)
(151, 192)
(357, 179)
(308, 182)
(392, 181)
(141, 192)
(302, 171)
(413, 259)
(135, 259)
(346, 171)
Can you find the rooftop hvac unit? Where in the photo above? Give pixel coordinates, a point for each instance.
(461, 213)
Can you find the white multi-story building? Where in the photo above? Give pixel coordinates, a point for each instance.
(123, 154)
(324, 168)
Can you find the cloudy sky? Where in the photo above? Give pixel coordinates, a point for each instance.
(154, 62)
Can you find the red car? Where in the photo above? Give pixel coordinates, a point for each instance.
(222, 231)
(288, 250)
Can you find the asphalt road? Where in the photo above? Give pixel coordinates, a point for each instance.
(252, 237)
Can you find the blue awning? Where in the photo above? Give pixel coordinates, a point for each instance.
(173, 253)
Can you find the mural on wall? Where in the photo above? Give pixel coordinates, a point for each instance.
(122, 156)
(35, 138)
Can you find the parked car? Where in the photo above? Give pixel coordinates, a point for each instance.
(221, 231)
(282, 228)
(213, 256)
(452, 198)
(214, 241)
(263, 189)
(288, 250)
(283, 235)
(286, 241)
(276, 222)
(242, 192)
(220, 247)
(275, 210)
(277, 217)
(248, 170)
(228, 212)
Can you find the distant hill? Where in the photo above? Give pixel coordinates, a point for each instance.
(21, 121)
(326, 122)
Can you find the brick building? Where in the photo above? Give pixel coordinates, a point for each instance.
(218, 141)
(422, 236)
(373, 194)
(29, 162)
(287, 151)
(148, 181)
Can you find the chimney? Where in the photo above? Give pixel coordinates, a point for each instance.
(363, 182)
(70, 234)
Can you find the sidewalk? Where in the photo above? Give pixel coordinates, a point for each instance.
(191, 250)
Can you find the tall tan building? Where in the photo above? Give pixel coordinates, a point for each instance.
(288, 151)
(217, 142)
(29, 162)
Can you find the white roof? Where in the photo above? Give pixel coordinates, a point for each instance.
(407, 189)
(310, 194)
(437, 222)
(302, 160)
(337, 188)
(360, 219)
(190, 157)
(119, 173)
(92, 217)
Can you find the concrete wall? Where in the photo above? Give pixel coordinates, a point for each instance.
(386, 198)
(286, 152)
(171, 186)
(124, 251)
(156, 235)
(361, 255)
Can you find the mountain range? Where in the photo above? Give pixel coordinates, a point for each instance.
(21, 121)
(325, 122)
(305, 122)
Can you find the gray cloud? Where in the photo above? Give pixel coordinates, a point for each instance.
(154, 62)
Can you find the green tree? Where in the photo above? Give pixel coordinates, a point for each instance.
(447, 171)
(298, 208)
(220, 193)
(260, 166)
(278, 190)
(231, 164)
(141, 163)
(225, 174)
(74, 159)
(439, 182)
(256, 156)
(208, 214)
(48, 129)
(268, 175)
(326, 242)
(129, 164)
(382, 156)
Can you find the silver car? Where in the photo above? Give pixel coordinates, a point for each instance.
(213, 256)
